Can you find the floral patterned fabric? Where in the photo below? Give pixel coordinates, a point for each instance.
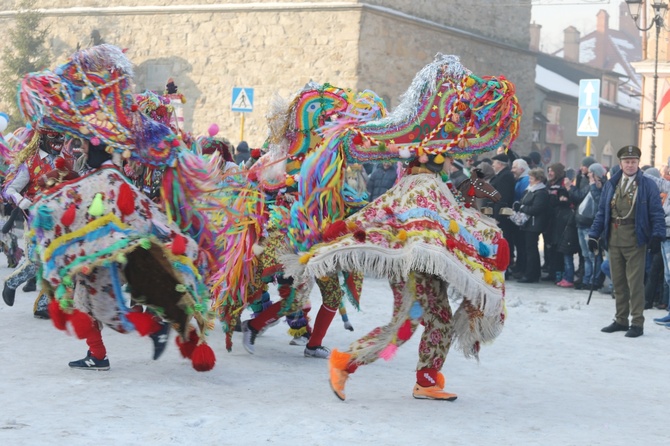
(83, 231)
(418, 226)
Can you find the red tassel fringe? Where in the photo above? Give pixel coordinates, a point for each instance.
(58, 316)
(203, 358)
(186, 348)
(126, 200)
(145, 323)
(502, 256)
(68, 216)
(337, 229)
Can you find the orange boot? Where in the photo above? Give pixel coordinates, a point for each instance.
(338, 372)
(430, 386)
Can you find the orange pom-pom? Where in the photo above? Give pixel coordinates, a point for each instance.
(186, 347)
(178, 245)
(126, 200)
(439, 380)
(502, 255)
(82, 324)
(68, 216)
(203, 358)
(57, 315)
(145, 323)
(405, 331)
(337, 229)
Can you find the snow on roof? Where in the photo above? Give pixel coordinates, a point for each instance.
(587, 50)
(554, 82)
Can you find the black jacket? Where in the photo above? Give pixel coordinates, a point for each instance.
(380, 181)
(504, 183)
(536, 204)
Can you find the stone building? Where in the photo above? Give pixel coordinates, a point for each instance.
(275, 47)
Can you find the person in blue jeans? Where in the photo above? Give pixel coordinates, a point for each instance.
(664, 186)
(584, 215)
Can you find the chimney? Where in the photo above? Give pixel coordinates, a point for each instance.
(535, 36)
(603, 21)
(571, 44)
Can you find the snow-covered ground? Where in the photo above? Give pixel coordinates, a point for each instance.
(551, 378)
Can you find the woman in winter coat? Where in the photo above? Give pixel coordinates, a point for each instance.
(536, 205)
(568, 243)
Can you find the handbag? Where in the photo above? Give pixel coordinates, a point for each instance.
(519, 218)
(586, 212)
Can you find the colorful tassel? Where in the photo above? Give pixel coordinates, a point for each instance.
(488, 277)
(97, 208)
(502, 255)
(203, 358)
(483, 249)
(43, 218)
(145, 323)
(334, 231)
(416, 311)
(405, 331)
(402, 235)
(389, 352)
(186, 347)
(58, 316)
(68, 216)
(178, 245)
(126, 200)
(453, 227)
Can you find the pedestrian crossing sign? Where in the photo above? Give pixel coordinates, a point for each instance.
(243, 99)
(588, 120)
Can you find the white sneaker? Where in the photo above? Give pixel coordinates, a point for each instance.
(248, 337)
(299, 340)
(268, 325)
(317, 352)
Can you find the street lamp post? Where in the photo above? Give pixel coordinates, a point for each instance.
(660, 9)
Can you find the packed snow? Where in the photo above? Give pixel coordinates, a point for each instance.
(551, 378)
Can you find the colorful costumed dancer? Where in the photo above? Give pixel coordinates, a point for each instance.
(417, 234)
(36, 166)
(96, 233)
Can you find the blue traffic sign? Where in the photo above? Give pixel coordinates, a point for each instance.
(588, 121)
(243, 99)
(589, 93)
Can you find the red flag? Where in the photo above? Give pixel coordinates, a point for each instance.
(664, 101)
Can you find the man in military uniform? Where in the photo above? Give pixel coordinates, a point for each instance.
(630, 219)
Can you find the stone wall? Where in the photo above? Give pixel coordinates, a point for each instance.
(392, 51)
(276, 47)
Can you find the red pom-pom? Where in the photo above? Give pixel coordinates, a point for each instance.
(405, 331)
(467, 205)
(186, 347)
(68, 216)
(471, 191)
(502, 256)
(255, 153)
(134, 107)
(358, 139)
(360, 235)
(82, 324)
(178, 245)
(126, 200)
(451, 244)
(337, 229)
(60, 163)
(145, 323)
(252, 175)
(57, 315)
(203, 358)
(175, 142)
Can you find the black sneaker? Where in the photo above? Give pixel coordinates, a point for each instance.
(8, 295)
(42, 314)
(90, 363)
(249, 334)
(615, 326)
(160, 339)
(634, 331)
(31, 285)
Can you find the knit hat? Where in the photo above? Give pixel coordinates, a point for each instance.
(598, 170)
(654, 172)
(587, 161)
(501, 157)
